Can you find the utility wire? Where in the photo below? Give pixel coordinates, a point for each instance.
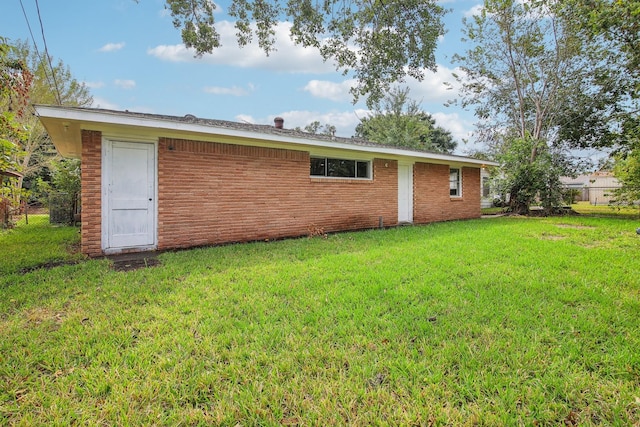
(46, 52)
(35, 45)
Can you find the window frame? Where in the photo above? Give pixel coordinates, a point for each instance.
(486, 187)
(458, 183)
(356, 164)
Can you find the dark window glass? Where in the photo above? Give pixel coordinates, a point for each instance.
(363, 170)
(341, 168)
(317, 166)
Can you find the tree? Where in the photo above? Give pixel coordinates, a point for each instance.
(627, 166)
(612, 30)
(380, 41)
(627, 171)
(399, 121)
(51, 84)
(610, 34)
(15, 82)
(613, 24)
(524, 70)
(317, 128)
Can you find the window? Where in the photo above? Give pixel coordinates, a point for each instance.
(485, 187)
(454, 183)
(340, 168)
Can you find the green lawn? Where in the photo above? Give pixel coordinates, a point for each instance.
(38, 243)
(501, 321)
(585, 208)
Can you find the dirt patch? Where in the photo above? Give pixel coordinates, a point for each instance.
(48, 266)
(575, 227)
(546, 236)
(134, 261)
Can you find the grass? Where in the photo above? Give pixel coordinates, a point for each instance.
(38, 243)
(492, 211)
(502, 321)
(585, 208)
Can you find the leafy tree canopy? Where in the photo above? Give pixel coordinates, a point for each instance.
(399, 121)
(379, 41)
(49, 82)
(627, 171)
(15, 82)
(528, 77)
(317, 128)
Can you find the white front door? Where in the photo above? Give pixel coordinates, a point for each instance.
(405, 193)
(129, 220)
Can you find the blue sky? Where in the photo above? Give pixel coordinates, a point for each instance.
(133, 59)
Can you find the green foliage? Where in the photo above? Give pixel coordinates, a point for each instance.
(380, 42)
(459, 323)
(35, 149)
(627, 171)
(527, 177)
(598, 115)
(15, 82)
(399, 121)
(66, 176)
(318, 128)
(616, 23)
(527, 74)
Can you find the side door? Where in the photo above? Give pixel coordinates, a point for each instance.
(130, 195)
(405, 193)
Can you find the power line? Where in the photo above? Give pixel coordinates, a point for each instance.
(46, 52)
(35, 45)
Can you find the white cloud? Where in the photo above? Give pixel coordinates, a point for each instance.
(111, 47)
(460, 128)
(338, 92)
(344, 121)
(438, 86)
(474, 11)
(94, 85)
(288, 57)
(125, 84)
(233, 90)
(103, 103)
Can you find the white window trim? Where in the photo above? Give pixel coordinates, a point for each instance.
(368, 161)
(459, 189)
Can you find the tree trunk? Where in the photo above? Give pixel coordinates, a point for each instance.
(517, 205)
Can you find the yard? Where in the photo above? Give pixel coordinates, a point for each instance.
(500, 321)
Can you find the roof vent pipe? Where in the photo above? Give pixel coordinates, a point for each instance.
(279, 122)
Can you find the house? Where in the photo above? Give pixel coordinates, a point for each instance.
(597, 188)
(162, 182)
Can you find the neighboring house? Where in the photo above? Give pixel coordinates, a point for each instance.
(161, 182)
(596, 188)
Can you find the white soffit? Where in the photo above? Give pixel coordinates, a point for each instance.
(64, 125)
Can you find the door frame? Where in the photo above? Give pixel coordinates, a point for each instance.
(107, 147)
(407, 184)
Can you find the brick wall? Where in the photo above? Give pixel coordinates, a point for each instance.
(431, 200)
(91, 171)
(212, 193)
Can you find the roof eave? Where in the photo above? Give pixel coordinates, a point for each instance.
(65, 124)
